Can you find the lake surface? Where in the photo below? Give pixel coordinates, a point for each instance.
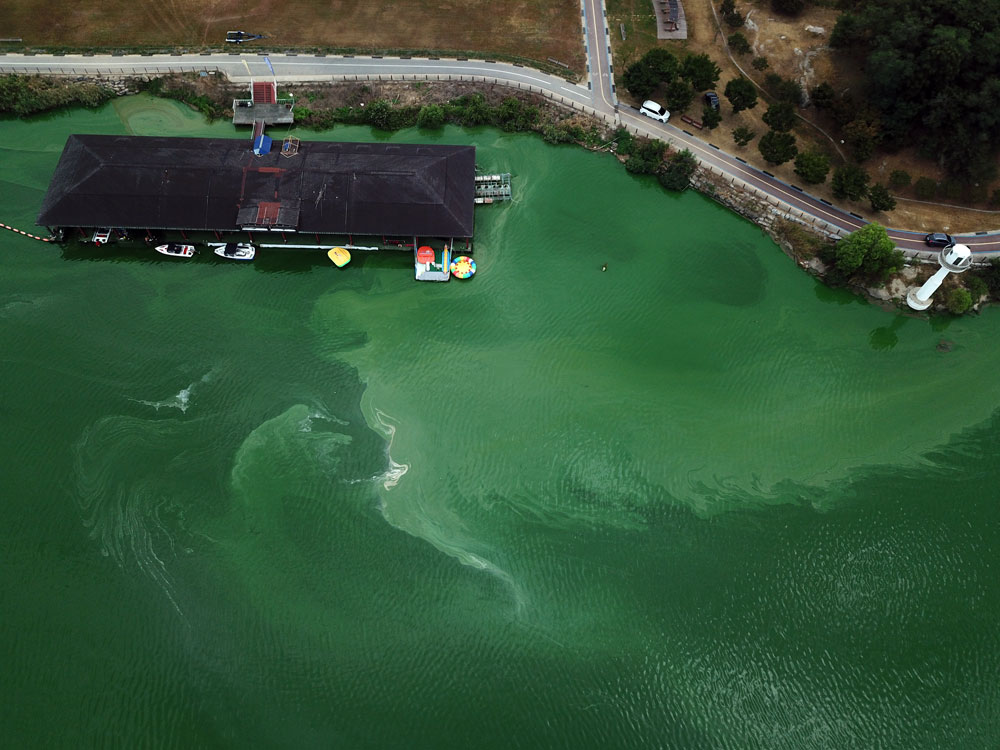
(695, 501)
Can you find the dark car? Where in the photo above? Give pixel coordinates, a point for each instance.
(712, 99)
(939, 239)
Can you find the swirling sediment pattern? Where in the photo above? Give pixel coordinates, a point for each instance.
(692, 501)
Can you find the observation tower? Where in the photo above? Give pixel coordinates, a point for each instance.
(953, 259)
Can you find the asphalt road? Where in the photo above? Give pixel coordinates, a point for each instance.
(596, 93)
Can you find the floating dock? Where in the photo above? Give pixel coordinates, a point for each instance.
(491, 188)
(430, 264)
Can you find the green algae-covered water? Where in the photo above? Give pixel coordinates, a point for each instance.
(694, 501)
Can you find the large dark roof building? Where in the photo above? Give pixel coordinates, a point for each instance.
(219, 184)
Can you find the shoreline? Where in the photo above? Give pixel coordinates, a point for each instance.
(557, 122)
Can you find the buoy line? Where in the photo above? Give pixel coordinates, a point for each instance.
(27, 234)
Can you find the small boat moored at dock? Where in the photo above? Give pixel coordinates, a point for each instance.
(236, 251)
(176, 250)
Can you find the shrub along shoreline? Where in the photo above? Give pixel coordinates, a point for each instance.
(28, 95)
(433, 105)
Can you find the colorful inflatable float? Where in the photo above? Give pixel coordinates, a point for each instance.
(463, 267)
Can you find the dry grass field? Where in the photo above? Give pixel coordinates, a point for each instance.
(526, 29)
(792, 52)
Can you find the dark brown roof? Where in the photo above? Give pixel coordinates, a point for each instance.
(219, 184)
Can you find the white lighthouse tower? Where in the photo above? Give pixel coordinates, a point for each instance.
(953, 259)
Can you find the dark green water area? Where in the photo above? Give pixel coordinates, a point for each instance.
(694, 501)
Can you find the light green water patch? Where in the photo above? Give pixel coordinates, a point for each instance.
(549, 424)
(149, 115)
(701, 367)
(293, 443)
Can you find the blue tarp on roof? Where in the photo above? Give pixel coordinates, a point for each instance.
(262, 145)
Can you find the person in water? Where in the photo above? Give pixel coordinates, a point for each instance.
(604, 267)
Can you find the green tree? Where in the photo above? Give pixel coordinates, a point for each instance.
(850, 181)
(777, 147)
(844, 109)
(655, 67)
(637, 165)
(734, 19)
(431, 117)
(26, 95)
(976, 286)
(662, 62)
(679, 95)
(379, 114)
(780, 116)
(625, 141)
(899, 178)
(868, 252)
(936, 89)
(880, 198)
(727, 6)
(822, 95)
(812, 167)
(640, 79)
(847, 32)
(477, 111)
(760, 63)
(783, 89)
(741, 93)
(679, 169)
(710, 117)
(700, 72)
(652, 149)
(788, 7)
(991, 276)
(552, 133)
(861, 135)
(742, 136)
(646, 157)
(739, 44)
(958, 300)
(925, 188)
(513, 115)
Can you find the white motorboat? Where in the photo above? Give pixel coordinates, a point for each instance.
(236, 251)
(177, 250)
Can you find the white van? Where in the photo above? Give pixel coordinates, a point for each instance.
(654, 110)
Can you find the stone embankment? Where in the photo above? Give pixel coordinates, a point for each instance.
(755, 205)
(120, 85)
(770, 215)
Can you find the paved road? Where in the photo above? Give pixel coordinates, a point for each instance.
(597, 93)
(838, 220)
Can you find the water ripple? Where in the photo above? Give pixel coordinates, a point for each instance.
(119, 462)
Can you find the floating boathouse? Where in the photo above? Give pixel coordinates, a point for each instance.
(396, 193)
